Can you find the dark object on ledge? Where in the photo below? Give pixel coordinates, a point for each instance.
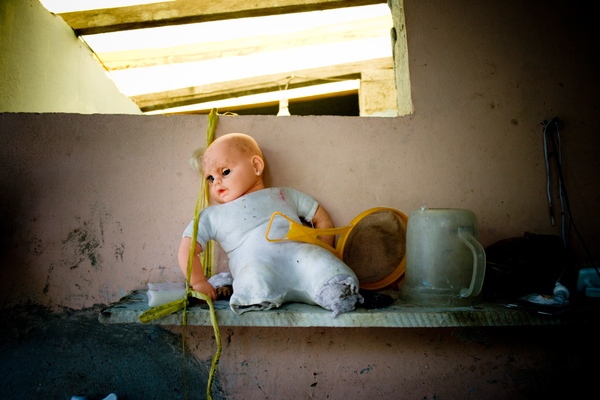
(519, 266)
(374, 299)
(224, 292)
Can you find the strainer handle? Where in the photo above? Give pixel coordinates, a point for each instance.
(303, 233)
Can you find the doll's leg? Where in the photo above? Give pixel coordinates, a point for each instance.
(333, 285)
(255, 287)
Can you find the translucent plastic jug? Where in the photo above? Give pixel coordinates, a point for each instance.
(445, 263)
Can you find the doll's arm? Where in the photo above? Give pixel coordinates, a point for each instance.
(197, 281)
(322, 220)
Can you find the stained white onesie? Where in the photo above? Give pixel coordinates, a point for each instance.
(266, 274)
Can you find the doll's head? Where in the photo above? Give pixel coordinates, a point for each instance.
(233, 165)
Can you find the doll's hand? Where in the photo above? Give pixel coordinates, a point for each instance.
(207, 289)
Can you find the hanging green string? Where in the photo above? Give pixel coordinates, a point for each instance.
(207, 260)
(208, 256)
(207, 264)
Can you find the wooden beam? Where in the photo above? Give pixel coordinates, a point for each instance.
(255, 85)
(202, 108)
(250, 89)
(192, 11)
(373, 27)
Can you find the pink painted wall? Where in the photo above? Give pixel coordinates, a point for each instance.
(92, 206)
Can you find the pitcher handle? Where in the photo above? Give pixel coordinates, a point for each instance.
(464, 233)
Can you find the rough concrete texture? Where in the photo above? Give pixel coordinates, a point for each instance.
(47, 355)
(55, 355)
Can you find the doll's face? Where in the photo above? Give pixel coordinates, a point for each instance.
(231, 170)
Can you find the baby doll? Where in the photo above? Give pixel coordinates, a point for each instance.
(265, 274)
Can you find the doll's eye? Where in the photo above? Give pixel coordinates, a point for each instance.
(210, 178)
(226, 172)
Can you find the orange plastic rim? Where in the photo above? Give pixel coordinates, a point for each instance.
(398, 272)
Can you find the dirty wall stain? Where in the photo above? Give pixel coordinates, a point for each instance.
(87, 241)
(47, 284)
(83, 244)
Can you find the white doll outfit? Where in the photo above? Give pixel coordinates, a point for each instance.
(265, 274)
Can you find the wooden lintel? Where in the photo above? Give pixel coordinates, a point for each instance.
(365, 29)
(173, 102)
(262, 84)
(192, 11)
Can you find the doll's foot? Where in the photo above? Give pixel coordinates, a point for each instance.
(339, 295)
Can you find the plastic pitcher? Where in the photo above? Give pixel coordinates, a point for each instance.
(445, 263)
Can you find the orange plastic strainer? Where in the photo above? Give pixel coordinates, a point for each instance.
(373, 245)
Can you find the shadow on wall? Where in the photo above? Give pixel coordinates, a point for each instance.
(11, 205)
(58, 355)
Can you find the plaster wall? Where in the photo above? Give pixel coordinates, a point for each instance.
(92, 206)
(95, 205)
(46, 68)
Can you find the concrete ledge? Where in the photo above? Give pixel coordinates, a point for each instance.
(398, 315)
